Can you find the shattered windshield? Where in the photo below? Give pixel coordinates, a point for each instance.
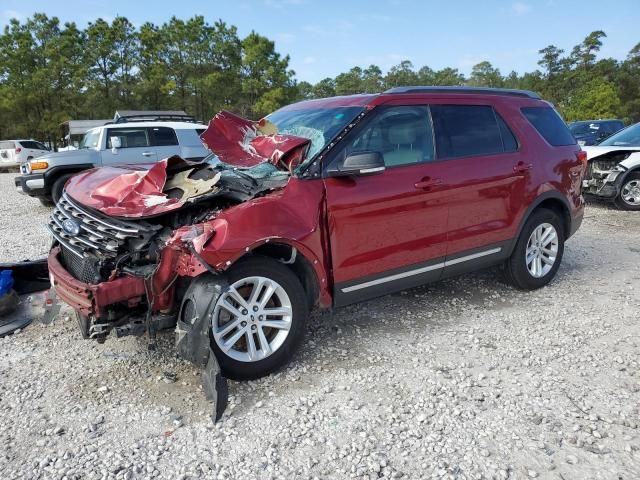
(319, 125)
(629, 137)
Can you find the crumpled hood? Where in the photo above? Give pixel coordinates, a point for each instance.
(137, 191)
(597, 150)
(245, 143)
(125, 191)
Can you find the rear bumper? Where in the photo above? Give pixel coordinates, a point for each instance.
(31, 184)
(90, 299)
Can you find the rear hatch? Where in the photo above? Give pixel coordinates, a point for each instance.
(7, 152)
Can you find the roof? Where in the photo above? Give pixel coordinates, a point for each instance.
(174, 125)
(130, 113)
(464, 90)
(359, 100)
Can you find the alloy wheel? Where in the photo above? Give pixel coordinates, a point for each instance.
(630, 193)
(252, 319)
(542, 250)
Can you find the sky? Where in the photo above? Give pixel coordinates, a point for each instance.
(325, 37)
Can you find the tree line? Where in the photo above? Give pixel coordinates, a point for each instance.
(52, 72)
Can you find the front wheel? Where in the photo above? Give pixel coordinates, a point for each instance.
(538, 251)
(629, 196)
(259, 320)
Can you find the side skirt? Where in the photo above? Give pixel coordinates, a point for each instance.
(414, 275)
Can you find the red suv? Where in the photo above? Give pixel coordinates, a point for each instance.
(322, 203)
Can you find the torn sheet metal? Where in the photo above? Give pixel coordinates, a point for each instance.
(127, 191)
(134, 191)
(245, 143)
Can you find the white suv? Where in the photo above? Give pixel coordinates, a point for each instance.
(108, 145)
(15, 152)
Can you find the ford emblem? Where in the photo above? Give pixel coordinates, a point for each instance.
(71, 227)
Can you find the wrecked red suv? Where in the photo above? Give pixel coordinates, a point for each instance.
(322, 203)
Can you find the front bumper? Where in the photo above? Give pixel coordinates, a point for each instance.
(92, 299)
(31, 184)
(604, 183)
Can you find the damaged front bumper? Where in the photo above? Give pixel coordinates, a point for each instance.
(603, 179)
(92, 302)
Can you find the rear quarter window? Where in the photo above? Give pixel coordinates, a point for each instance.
(550, 125)
(190, 137)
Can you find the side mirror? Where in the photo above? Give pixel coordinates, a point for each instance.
(115, 144)
(358, 164)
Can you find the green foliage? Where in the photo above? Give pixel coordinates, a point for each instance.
(50, 73)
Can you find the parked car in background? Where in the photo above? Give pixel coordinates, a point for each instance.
(113, 144)
(592, 132)
(324, 203)
(15, 152)
(614, 169)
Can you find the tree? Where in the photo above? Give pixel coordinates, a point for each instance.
(401, 75)
(350, 82)
(596, 99)
(485, 75)
(267, 82)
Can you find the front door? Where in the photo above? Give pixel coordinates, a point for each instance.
(135, 147)
(387, 231)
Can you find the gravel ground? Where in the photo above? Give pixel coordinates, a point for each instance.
(24, 235)
(466, 378)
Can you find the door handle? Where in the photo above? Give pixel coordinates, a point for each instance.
(427, 182)
(147, 154)
(522, 167)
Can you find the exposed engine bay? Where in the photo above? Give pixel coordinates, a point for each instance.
(144, 227)
(605, 169)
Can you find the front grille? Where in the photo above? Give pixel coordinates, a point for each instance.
(94, 240)
(85, 269)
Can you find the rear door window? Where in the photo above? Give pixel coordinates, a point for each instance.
(468, 130)
(163, 137)
(129, 137)
(550, 125)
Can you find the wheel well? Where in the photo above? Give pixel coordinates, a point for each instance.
(298, 264)
(560, 209)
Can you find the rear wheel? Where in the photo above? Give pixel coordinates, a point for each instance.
(259, 321)
(538, 251)
(629, 196)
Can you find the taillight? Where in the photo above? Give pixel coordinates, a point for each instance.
(18, 150)
(582, 156)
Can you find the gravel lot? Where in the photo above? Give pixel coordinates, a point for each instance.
(466, 378)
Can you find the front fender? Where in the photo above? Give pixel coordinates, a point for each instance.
(293, 216)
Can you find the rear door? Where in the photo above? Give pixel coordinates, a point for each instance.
(135, 146)
(164, 142)
(480, 167)
(387, 231)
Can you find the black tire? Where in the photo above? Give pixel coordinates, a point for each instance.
(515, 268)
(58, 186)
(276, 271)
(620, 202)
(46, 202)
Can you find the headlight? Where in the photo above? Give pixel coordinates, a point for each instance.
(38, 165)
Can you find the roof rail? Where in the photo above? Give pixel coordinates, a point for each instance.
(468, 90)
(154, 118)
